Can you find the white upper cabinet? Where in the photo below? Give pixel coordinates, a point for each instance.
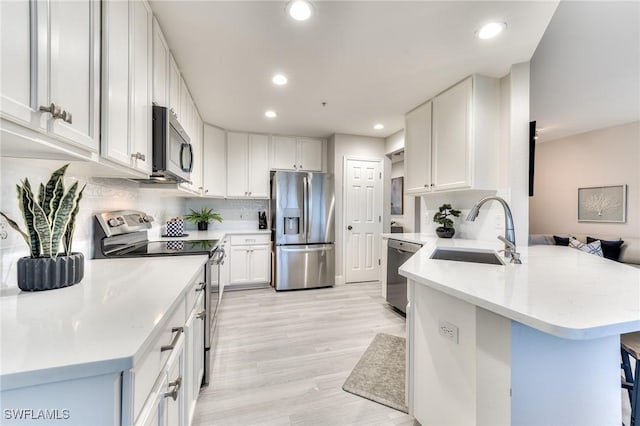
(185, 114)
(161, 61)
(466, 120)
(418, 149)
(296, 153)
(126, 80)
(258, 166)
(237, 164)
(195, 134)
(310, 154)
(247, 165)
(17, 62)
(141, 43)
(452, 143)
(214, 170)
(174, 87)
(74, 73)
(50, 76)
(284, 153)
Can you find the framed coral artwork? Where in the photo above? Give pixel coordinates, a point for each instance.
(603, 204)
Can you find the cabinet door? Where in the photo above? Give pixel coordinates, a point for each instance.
(260, 264)
(417, 149)
(284, 153)
(195, 125)
(237, 164)
(175, 389)
(174, 86)
(115, 83)
(452, 137)
(214, 170)
(239, 265)
(194, 357)
(74, 74)
(17, 61)
(310, 154)
(154, 411)
(141, 79)
(160, 66)
(258, 166)
(186, 114)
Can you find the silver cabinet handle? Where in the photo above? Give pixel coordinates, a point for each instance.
(201, 286)
(66, 116)
(178, 331)
(300, 166)
(139, 156)
(52, 109)
(173, 393)
(201, 315)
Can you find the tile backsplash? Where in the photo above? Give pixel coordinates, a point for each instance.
(100, 195)
(243, 213)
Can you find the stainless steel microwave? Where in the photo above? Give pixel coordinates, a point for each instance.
(172, 151)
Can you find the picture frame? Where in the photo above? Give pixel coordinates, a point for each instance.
(603, 204)
(397, 195)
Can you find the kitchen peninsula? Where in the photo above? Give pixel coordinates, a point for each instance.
(536, 343)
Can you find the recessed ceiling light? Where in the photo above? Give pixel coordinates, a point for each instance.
(270, 114)
(279, 80)
(379, 126)
(491, 30)
(300, 10)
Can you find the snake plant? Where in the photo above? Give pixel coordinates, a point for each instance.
(50, 219)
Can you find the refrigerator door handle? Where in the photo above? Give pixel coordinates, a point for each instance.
(305, 208)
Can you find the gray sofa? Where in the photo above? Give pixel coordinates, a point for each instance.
(629, 253)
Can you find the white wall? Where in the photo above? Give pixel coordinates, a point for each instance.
(100, 195)
(340, 146)
(609, 156)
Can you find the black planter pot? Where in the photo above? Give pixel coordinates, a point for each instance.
(203, 226)
(45, 273)
(443, 232)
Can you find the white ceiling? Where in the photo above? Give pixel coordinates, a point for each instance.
(585, 74)
(369, 61)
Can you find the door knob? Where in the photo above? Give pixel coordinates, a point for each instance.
(349, 227)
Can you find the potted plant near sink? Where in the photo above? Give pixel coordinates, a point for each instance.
(203, 217)
(50, 219)
(442, 216)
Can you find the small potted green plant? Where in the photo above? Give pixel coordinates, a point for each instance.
(203, 217)
(50, 220)
(446, 229)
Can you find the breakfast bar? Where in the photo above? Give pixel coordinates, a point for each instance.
(536, 343)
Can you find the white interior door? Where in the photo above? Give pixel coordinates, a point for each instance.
(362, 212)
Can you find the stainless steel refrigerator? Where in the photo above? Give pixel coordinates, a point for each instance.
(302, 225)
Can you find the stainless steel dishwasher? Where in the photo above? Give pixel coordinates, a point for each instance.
(398, 253)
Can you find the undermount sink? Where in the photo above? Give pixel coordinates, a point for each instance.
(487, 257)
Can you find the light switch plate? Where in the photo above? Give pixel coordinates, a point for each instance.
(448, 330)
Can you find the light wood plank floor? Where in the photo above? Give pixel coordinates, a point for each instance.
(281, 358)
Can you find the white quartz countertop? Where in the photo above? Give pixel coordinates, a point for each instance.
(101, 325)
(558, 290)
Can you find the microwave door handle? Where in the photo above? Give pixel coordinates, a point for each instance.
(186, 167)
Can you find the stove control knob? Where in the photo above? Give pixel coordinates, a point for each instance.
(140, 219)
(147, 218)
(113, 222)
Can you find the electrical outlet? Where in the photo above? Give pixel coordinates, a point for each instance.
(448, 330)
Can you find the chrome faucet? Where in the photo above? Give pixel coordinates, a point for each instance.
(509, 238)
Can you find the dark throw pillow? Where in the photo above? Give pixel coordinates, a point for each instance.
(610, 249)
(561, 241)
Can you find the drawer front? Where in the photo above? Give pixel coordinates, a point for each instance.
(153, 362)
(250, 239)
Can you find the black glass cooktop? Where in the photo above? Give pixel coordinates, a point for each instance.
(165, 248)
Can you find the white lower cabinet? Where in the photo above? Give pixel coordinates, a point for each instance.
(249, 260)
(194, 360)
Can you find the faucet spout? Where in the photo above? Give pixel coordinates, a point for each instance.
(509, 231)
